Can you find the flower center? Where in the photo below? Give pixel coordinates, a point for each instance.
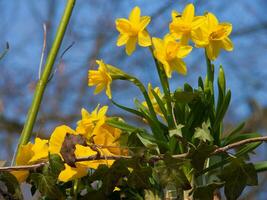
(218, 34)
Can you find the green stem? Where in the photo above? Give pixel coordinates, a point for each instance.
(41, 85)
(166, 89)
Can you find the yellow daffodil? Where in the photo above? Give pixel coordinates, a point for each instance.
(133, 31)
(153, 99)
(55, 144)
(107, 136)
(91, 122)
(184, 24)
(100, 78)
(170, 53)
(57, 138)
(213, 36)
(71, 173)
(82, 151)
(30, 154)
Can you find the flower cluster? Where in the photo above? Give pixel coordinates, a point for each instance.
(185, 29)
(93, 136)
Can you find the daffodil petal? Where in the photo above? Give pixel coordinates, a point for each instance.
(131, 45)
(71, 173)
(144, 39)
(184, 51)
(21, 176)
(145, 20)
(134, 15)
(188, 13)
(227, 44)
(212, 21)
(122, 39)
(123, 25)
(213, 50)
(179, 66)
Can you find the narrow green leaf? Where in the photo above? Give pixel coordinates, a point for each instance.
(261, 166)
(130, 110)
(161, 104)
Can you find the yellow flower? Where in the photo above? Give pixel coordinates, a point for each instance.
(153, 99)
(30, 154)
(90, 123)
(133, 31)
(108, 137)
(82, 151)
(57, 138)
(184, 24)
(100, 78)
(170, 54)
(213, 36)
(71, 173)
(55, 144)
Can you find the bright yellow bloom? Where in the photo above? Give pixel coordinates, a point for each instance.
(55, 144)
(184, 24)
(82, 151)
(170, 54)
(100, 78)
(90, 123)
(108, 137)
(57, 138)
(153, 99)
(213, 36)
(71, 173)
(133, 31)
(30, 154)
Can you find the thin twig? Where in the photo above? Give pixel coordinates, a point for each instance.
(43, 52)
(239, 143)
(154, 158)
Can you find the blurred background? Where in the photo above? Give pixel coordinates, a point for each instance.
(92, 35)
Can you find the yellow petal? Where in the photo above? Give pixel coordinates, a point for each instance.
(71, 173)
(167, 69)
(25, 154)
(179, 66)
(123, 25)
(198, 21)
(108, 92)
(184, 51)
(212, 21)
(185, 39)
(227, 44)
(200, 37)
(158, 43)
(122, 39)
(21, 176)
(227, 27)
(144, 39)
(130, 45)
(135, 14)
(57, 138)
(144, 22)
(188, 13)
(40, 150)
(213, 50)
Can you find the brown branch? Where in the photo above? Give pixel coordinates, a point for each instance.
(151, 159)
(239, 143)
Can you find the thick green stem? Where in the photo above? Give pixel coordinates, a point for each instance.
(41, 85)
(166, 89)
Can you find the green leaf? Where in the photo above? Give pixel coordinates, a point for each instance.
(56, 164)
(170, 170)
(122, 125)
(200, 154)
(149, 195)
(177, 131)
(238, 137)
(237, 176)
(12, 185)
(130, 110)
(148, 143)
(46, 184)
(185, 97)
(203, 133)
(260, 166)
(139, 178)
(206, 192)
